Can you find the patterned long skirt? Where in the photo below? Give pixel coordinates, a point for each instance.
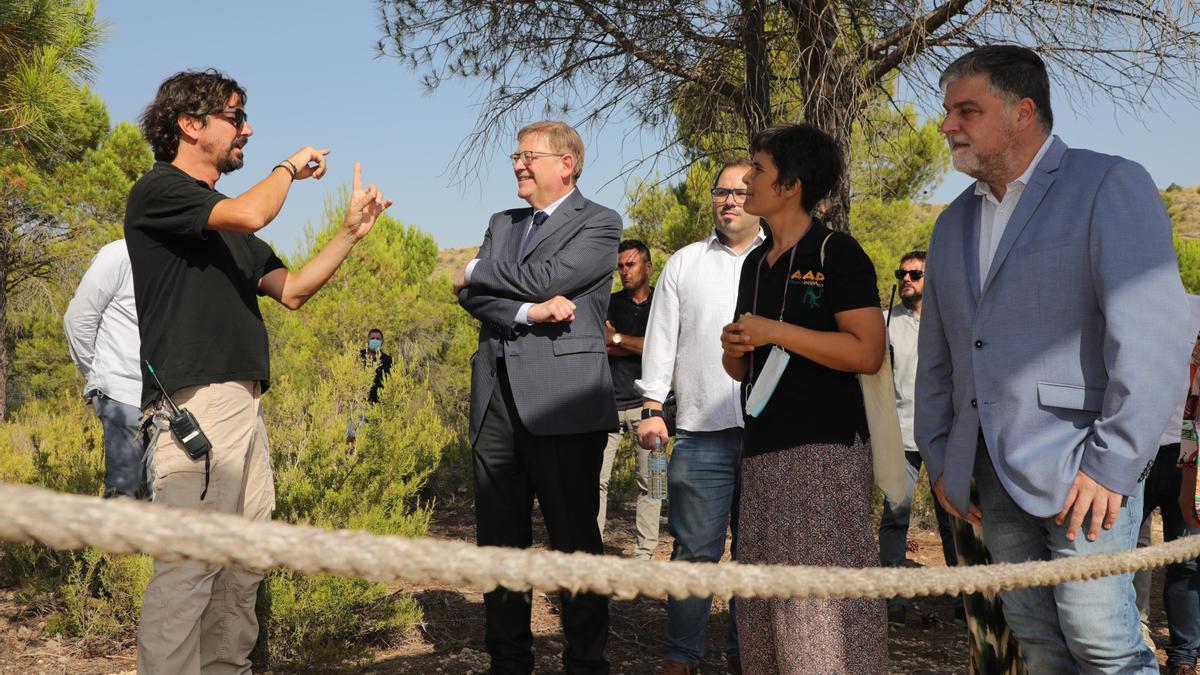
(809, 505)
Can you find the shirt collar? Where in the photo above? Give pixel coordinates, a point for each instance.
(982, 189)
(714, 241)
(905, 311)
(549, 210)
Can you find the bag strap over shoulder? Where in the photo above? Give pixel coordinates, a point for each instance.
(823, 242)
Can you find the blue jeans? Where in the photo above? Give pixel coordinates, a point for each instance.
(1076, 627)
(122, 446)
(702, 481)
(1181, 586)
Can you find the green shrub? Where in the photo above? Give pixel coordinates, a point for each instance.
(321, 620)
(102, 598)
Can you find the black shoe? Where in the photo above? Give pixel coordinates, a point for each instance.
(896, 614)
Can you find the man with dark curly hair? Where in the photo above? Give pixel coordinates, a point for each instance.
(198, 270)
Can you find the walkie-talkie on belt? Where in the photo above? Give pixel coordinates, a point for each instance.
(186, 430)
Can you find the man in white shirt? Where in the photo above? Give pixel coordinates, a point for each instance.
(695, 297)
(903, 324)
(102, 334)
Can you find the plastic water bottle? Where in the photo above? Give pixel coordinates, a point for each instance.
(657, 468)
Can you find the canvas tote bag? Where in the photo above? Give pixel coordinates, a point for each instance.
(883, 423)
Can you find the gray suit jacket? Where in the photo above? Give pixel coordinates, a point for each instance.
(1068, 354)
(559, 372)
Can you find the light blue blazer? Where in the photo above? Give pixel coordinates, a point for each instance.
(1067, 356)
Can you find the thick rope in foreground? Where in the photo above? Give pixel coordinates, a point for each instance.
(124, 526)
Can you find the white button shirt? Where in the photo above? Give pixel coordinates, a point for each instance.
(902, 336)
(102, 327)
(995, 213)
(696, 295)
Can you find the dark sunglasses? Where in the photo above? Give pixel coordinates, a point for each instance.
(915, 275)
(238, 120)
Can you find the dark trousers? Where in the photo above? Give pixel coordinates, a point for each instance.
(512, 466)
(1181, 586)
(893, 526)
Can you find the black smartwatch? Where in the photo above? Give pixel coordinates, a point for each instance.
(647, 413)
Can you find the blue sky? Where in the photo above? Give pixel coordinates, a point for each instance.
(313, 78)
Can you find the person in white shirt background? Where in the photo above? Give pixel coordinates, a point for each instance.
(903, 324)
(102, 335)
(695, 297)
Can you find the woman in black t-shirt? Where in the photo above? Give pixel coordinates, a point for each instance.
(807, 311)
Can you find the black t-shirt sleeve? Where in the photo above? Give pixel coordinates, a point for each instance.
(850, 282)
(177, 204)
(265, 260)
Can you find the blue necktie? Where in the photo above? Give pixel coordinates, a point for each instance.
(539, 217)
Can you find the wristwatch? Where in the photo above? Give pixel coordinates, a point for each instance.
(647, 413)
(616, 339)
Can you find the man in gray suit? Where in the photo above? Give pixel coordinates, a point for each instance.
(541, 391)
(1048, 356)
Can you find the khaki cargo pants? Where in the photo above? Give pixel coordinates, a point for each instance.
(198, 617)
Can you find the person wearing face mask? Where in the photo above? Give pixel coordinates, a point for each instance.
(374, 355)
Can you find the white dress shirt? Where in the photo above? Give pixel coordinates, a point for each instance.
(695, 297)
(523, 311)
(902, 336)
(102, 328)
(995, 213)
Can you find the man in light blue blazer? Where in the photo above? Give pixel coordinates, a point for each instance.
(1048, 357)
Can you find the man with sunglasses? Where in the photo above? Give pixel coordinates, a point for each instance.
(903, 324)
(198, 270)
(541, 391)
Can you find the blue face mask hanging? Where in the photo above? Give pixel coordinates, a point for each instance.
(772, 371)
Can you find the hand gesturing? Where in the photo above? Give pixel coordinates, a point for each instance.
(365, 206)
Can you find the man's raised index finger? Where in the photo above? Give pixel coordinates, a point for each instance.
(357, 176)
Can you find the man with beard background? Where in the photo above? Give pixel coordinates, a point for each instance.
(198, 270)
(903, 325)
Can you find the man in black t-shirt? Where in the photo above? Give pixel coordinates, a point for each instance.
(198, 270)
(374, 355)
(628, 312)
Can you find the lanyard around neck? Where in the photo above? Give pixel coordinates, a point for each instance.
(758, 278)
(783, 304)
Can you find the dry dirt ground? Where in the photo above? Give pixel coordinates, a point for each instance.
(451, 638)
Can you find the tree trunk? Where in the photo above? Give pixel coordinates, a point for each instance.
(756, 104)
(833, 114)
(831, 86)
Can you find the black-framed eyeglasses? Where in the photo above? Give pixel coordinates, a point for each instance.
(721, 194)
(915, 275)
(528, 156)
(239, 116)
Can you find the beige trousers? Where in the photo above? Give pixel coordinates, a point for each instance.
(198, 617)
(649, 511)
